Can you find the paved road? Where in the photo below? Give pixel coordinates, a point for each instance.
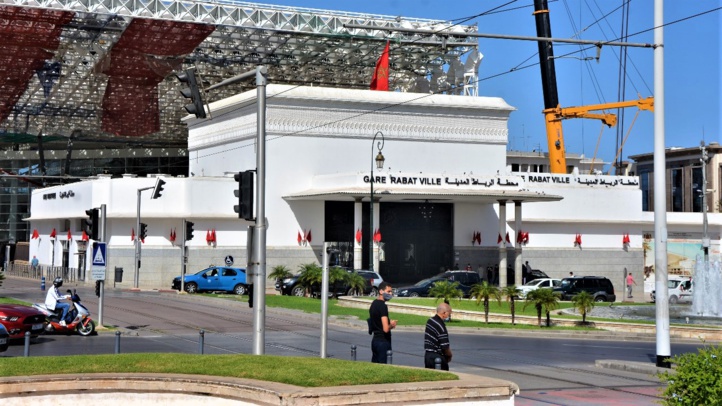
(548, 371)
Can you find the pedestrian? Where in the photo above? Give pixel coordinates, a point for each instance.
(527, 268)
(468, 267)
(483, 272)
(34, 264)
(380, 325)
(630, 282)
(436, 338)
(456, 266)
(571, 274)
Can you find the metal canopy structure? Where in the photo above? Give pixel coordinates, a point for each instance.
(102, 72)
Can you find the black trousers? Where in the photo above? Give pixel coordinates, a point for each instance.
(430, 361)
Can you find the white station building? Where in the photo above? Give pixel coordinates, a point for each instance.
(445, 181)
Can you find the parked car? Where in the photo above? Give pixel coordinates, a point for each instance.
(599, 287)
(292, 287)
(419, 289)
(4, 338)
(214, 279)
(538, 284)
(374, 277)
(18, 319)
(526, 276)
(679, 288)
(465, 278)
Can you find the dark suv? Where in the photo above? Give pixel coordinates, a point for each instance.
(599, 287)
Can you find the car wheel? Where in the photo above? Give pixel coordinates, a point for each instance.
(413, 294)
(673, 300)
(600, 299)
(191, 287)
(374, 292)
(240, 289)
(298, 291)
(87, 329)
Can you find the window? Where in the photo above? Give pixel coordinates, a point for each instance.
(644, 185)
(515, 167)
(677, 190)
(229, 272)
(697, 191)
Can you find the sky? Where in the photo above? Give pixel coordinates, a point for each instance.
(691, 66)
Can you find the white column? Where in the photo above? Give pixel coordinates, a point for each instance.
(502, 244)
(357, 225)
(376, 226)
(518, 264)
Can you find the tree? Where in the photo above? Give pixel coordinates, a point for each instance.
(484, 291)
(511, 292)
(545, 299)
(280, 272)
(583, 303)
(446, 290)
(356, 284)
(310, 274)
(336, 276)
(2, 277)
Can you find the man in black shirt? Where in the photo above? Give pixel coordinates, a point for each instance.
(381, 325)
(436, 339)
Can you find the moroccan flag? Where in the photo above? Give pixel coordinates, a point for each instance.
(507, 237)
(299, 239)
(498, 240)
(84, 237)
(53, 233)
(358, 236)
(35, 234)
(308, 236)
(213, 236)
(132, 234)
(380, 80)
(70, 236)
(209, 237)
(172, 236)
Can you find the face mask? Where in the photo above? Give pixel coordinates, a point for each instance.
(387, 296)
(448, 319)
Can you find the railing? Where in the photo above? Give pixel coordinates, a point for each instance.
(49, 272)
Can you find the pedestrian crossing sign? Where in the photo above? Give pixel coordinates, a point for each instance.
(99, 261)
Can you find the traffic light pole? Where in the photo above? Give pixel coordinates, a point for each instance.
(259, 246)
(101, 237)
(137, 239)
(183, 258)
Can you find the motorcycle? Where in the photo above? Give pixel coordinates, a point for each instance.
(79, 314)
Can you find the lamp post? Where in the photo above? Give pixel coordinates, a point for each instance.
(379, 160)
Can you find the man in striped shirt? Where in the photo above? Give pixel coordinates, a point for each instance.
(436, 338)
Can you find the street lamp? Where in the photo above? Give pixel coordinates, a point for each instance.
(380, 165)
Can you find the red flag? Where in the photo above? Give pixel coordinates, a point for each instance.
(478, 237)
(377, 236)
(299, 239)
(358, 236)
(208, 237)
(172, 236)
(213, 236)
(525, 237)
(507, 237)
(132, 234)
(70, 236)
(53, 233)
(498, 240)
(84, 237)
(308, 236)
(380, 80)
(578, 240)
(35, 234)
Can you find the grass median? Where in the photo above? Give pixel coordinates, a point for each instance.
(299, 371)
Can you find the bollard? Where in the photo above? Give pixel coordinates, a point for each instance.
(200, 341)
(117, 342)
(437, 363)
(42, 284)
(353, 352)
(26, 351)
(389, 357)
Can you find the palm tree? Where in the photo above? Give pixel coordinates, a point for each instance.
(583, 303)
(484, 291)
(446, 290)
(336, 276)
(280, 272)
(356, 284)
(534, 297)
(310, 274)
(544, 298)
(511, 292)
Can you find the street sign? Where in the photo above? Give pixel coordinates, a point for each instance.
(100, 257)
(229, 260)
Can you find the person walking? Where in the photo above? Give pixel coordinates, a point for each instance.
(380, 325)
(630, 282)
(436, 338)
(34, 264)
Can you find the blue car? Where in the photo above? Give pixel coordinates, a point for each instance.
(215, 279)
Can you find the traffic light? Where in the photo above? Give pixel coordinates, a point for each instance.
(158, 189)
(244, 193)
(92, 224)
(189, 231)
(97, 288)
(192, 92)
(143, 231)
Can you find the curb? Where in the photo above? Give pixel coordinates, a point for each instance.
(632, 366)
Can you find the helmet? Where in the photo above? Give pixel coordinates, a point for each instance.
(58, 282)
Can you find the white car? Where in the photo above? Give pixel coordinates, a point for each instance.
(538, 284)
(680, 289)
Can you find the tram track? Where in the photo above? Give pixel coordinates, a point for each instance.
(214, 310)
